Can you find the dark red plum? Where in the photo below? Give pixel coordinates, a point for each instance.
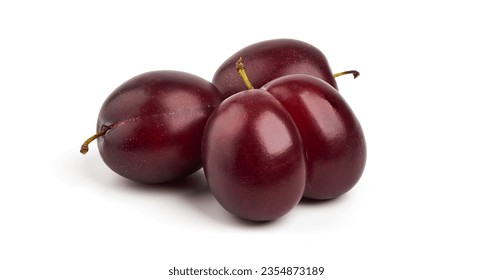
(271, 59)
(150, 128)
(332, 136)
(253, 157)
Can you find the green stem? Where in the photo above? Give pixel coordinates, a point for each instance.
(353, 72)
(85, 146)
(240, 67)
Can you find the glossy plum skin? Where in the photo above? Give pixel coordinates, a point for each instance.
(156, 122)
(253, 157)
(332, 136)
(271, 59)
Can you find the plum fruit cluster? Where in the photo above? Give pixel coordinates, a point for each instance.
(270, 129)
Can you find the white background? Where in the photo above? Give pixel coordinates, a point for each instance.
(422, 210)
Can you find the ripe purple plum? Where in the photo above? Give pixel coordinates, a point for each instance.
(150, 128)
(253, 157)
(332, 136)
(271, 59)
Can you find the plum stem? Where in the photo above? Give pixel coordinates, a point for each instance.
(85, 146)
(240, 67)
(353, 72)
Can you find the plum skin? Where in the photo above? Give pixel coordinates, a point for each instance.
(253, 157)
(156, 122)
(332, 136)
(271, 59)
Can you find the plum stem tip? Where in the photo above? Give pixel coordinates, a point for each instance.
(352, 72)
(240, 67)
(84, 148)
